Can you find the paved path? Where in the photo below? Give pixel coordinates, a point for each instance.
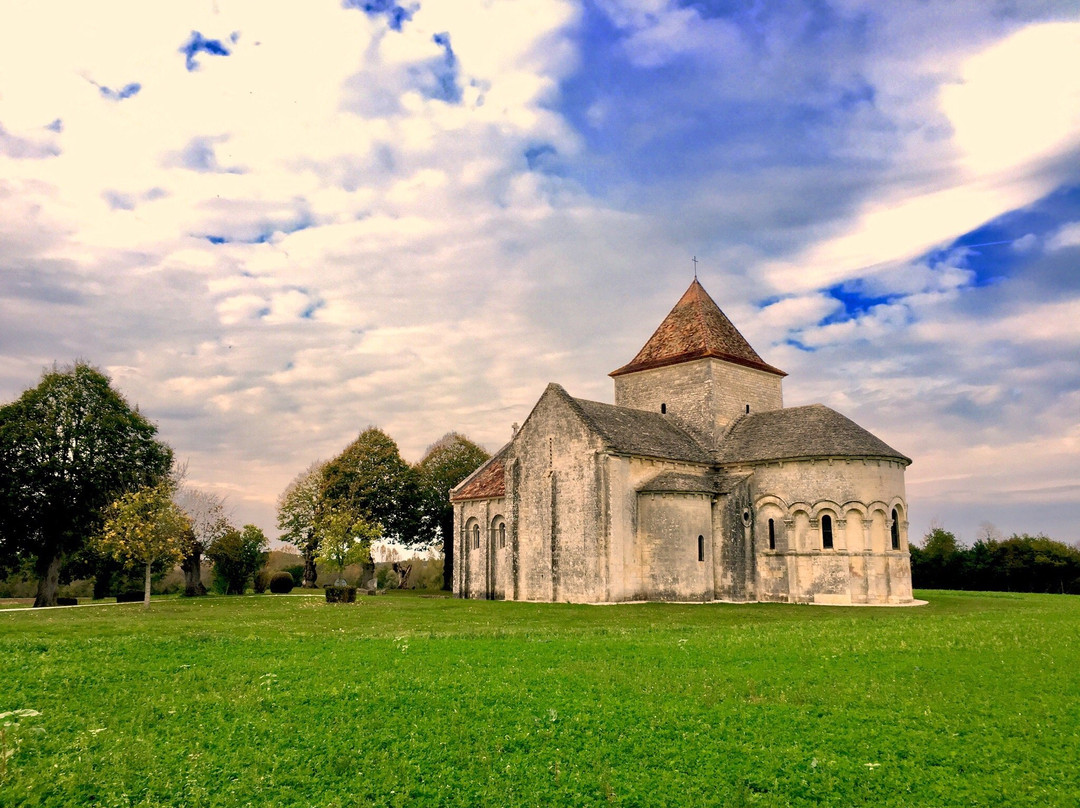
(78, 606)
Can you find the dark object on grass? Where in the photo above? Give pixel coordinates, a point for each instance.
(281, 583)
(261, 581)
(341, 594)
(67, 601)
(129, 596)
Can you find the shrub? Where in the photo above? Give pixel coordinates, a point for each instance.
(341, 594)
(281, 583)
(69, 601)
(237, 556)
(129, 596)
(296, 571)
(262, 580)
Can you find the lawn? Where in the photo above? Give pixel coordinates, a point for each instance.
(285, 700)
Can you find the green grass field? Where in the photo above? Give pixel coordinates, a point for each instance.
(284, 700)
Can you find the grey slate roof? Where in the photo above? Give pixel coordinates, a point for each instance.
(812, 431)
(673, 482)
(648, 434)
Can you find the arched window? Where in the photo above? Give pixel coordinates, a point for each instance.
(502, 534)
(663, 409)
(700, 548)
(772, 535)
(476, 536)
(895, 531)
(826, 532)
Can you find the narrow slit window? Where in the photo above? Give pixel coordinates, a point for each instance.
(772, 535)
(476, 536)
(663, 409)
(826, 532)
(700, 548)
(502, 535)
(747, 409)
(895, 530)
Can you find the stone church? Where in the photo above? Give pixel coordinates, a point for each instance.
(696, 485)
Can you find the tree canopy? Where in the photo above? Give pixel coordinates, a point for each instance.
(299, 507)
(206, 514)
(144, 527)
(237, 556)
(1020, 563)
(370, 480)
(447, 462)
(345, 539)
(68, 448)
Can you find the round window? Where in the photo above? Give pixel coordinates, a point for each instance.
(746, 516)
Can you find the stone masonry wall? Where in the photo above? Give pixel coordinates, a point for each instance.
(561, 540)
(858, 496)
(703, 396)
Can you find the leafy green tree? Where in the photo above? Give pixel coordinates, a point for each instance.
(447, 462)
(68, 448)
(299, 507)
(370, 480)
(206, 513)
(345, 538)
(143, 527)
(939, 563)
(237, 556)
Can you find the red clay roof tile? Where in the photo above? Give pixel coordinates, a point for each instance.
(695, 329)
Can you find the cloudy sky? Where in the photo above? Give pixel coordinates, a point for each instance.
(276, 224)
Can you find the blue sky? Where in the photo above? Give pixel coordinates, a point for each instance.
(276, 226)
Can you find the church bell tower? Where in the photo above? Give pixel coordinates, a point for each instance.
(698, 370)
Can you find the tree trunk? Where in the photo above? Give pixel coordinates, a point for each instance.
(192, 567)
(48, 580)
(102, 583)
(146, 591)
(310, 573)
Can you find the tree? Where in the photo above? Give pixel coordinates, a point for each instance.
(206, 513)
(68, 448)
(345, 538)
(237, 556)
(144, 527)
(446, 463)
(939, 563)
(299, 507)
(370, 480)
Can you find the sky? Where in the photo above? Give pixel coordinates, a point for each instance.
(276, 224)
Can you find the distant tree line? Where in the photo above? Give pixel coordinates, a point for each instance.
(1020, 563)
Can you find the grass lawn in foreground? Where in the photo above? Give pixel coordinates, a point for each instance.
(284, 700)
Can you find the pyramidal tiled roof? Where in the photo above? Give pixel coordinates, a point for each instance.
(695, 329)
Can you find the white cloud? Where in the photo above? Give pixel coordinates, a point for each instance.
(389, 258)
(1067, 236)
(1007, 110)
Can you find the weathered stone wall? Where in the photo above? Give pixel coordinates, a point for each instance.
(484, 571)
(557, 502)
(671, 567)
(631, 563)
(736, 562)
(859, 497)
(703, 396)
